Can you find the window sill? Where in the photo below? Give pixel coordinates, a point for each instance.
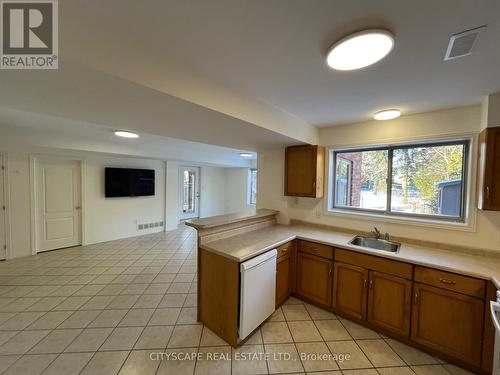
(467, 226)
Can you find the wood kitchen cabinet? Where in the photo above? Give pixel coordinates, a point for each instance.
(374, 289)
(314, 278)
(304, 171)
(449, 322)
(350, 289)
(489, 169)
(284, 271)
(389, 302)
(383, 300)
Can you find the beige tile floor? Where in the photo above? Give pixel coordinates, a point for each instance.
(109, 308)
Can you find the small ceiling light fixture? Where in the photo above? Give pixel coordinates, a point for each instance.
(126, 134)
(387, 114)
(246, 155)
(360, 49)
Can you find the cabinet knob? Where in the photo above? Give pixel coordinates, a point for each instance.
(415, 299)
(371, 284)
(487, 192)
(364, 283)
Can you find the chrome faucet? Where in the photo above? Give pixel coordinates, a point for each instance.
(376, 233)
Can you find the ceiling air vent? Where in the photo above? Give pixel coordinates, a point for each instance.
(461, 44)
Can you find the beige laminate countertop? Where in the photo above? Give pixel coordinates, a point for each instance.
(250, 244)
(215, 221)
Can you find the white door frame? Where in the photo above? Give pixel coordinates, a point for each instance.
(197, 189)
(34, 158)
(6, 200)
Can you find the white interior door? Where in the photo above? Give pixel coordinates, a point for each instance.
(3, 237)
(58, 200)
(190, 192)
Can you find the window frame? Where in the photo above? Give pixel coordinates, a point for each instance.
(462, 219)
(348, 180)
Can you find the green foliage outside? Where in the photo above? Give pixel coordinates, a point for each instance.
(414, 170)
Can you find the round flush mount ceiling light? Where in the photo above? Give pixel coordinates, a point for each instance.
(126, 134)
(360, 49)
(246, 155)
(387, 114)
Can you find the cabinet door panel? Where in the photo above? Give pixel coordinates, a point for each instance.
(283, 273)
(448, 322)
(304, 171)
(389, 302)
(350, 289)
(489, 169)
(314, 278)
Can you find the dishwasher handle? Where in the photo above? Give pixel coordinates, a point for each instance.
(258, 260)
(495, 308)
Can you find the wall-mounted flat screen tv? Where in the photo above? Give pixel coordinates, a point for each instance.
(126, 182)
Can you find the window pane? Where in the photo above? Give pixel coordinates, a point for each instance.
(252, 199)
(361, 179)
(188, 192)
(427, 180)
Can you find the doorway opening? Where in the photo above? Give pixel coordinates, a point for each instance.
(190, 192)
(57, 203)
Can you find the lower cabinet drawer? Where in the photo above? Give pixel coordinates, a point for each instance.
(315, 249)
(285, 249)
(375, 263)
(451, 281)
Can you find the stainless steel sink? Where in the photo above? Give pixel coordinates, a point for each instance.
(377, 244)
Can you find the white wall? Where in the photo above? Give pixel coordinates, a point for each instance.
(108, 219)
(222, 190)
(212, 191)
(172, 203)
(104, 219)
(237, 190)
(461, 121)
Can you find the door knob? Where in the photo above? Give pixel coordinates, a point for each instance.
(77, 207)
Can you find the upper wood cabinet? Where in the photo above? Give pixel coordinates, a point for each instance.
(304, 171)
(449, 322)
(489, 169)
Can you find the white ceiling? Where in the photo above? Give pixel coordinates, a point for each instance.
(46, 131)
(251, 74)
(274, 51)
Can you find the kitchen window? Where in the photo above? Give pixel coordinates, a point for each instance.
(423, 180)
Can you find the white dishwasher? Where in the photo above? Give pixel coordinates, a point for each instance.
(258, 291)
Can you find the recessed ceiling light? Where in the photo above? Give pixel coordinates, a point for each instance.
(388, 114)
(125, 134)
(246, 154)
(360, 49)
